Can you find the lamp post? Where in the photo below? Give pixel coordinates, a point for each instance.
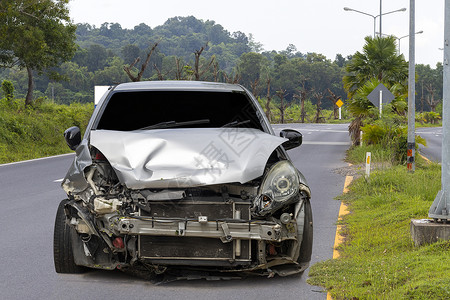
(374, 17)
(399, 38)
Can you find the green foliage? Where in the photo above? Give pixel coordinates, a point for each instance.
(29, 132)
(250, 67)
(318, 73)
(35, 35)
(359, 106)
(428, 79)
(390, 132)
(379, 60)
(103, 51)
(8, 90)
(378, 259)
(430, 117)
(439, 108)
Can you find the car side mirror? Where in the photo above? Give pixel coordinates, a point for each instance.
(295, 138)
(73, 137)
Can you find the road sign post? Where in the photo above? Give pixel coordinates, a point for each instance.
(380, 95)
(368, 161)
(339, 104)
(381, 101)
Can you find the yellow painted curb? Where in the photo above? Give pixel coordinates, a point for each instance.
(426, 159)
(343, 210)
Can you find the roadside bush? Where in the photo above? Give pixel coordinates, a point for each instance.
(28, 132)
(8, 90)
(429, 117)
(390, 132)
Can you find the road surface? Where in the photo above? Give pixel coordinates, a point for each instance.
(433, 136)
(30, 193)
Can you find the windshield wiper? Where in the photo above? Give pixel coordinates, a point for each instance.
(236, 123)
(171, 124)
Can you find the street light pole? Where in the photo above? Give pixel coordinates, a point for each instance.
(361, 12)
(381, 32)
(375, 17)
(411, 141)
(440, 209)
(399, 38)
(418, 32)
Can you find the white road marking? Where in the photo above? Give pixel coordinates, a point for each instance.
(58, 180)
(327, 143)
(36, 159)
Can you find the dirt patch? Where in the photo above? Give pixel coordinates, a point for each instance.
(359, 170)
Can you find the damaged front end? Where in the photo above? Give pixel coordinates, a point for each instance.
(137, 215)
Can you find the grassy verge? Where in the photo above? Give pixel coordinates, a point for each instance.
(378, 259)
(31, 132)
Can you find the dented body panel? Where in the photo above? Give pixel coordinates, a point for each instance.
(186, 157)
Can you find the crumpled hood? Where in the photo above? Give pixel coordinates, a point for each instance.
(171, 158)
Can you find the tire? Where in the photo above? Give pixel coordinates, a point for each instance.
(62, 244)
(307, 242)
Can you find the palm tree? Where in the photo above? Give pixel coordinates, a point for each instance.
(362, 109)
(378, 63)
(380, 60)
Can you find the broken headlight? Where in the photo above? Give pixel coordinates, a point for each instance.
(280, 185)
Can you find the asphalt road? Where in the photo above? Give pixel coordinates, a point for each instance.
(30, 193)
(433, 136)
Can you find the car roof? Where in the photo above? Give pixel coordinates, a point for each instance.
(177, 85)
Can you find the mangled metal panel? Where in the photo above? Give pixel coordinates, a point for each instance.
(75, 181)
(169, 158)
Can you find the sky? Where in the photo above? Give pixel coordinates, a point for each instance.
(321, 26)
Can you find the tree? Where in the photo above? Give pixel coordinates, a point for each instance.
(430, 98)
(254, 45)
(334, 99)
(197, 72)
(36, 36)
(129, 53)
(112, 74)
(378, 63)
(428, 80)
(319, 97)
(96, 57)
(303, 94)
(380, 60)
(269, 99)
(250, 67)
(138, 77)
(283, 105)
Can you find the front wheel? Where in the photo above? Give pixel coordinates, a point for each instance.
(307, 239)
(62, 244)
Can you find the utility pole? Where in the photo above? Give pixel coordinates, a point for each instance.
(441, 206)
(428, 231)
(381, 13)
(411, 147)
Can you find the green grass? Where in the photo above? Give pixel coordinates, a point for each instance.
(379, 154)
(378, 258)
(32, 132)
(420, 125)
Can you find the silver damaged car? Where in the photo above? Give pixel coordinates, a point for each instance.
(180, 180)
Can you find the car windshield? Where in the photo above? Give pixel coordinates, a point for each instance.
(146, 110)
